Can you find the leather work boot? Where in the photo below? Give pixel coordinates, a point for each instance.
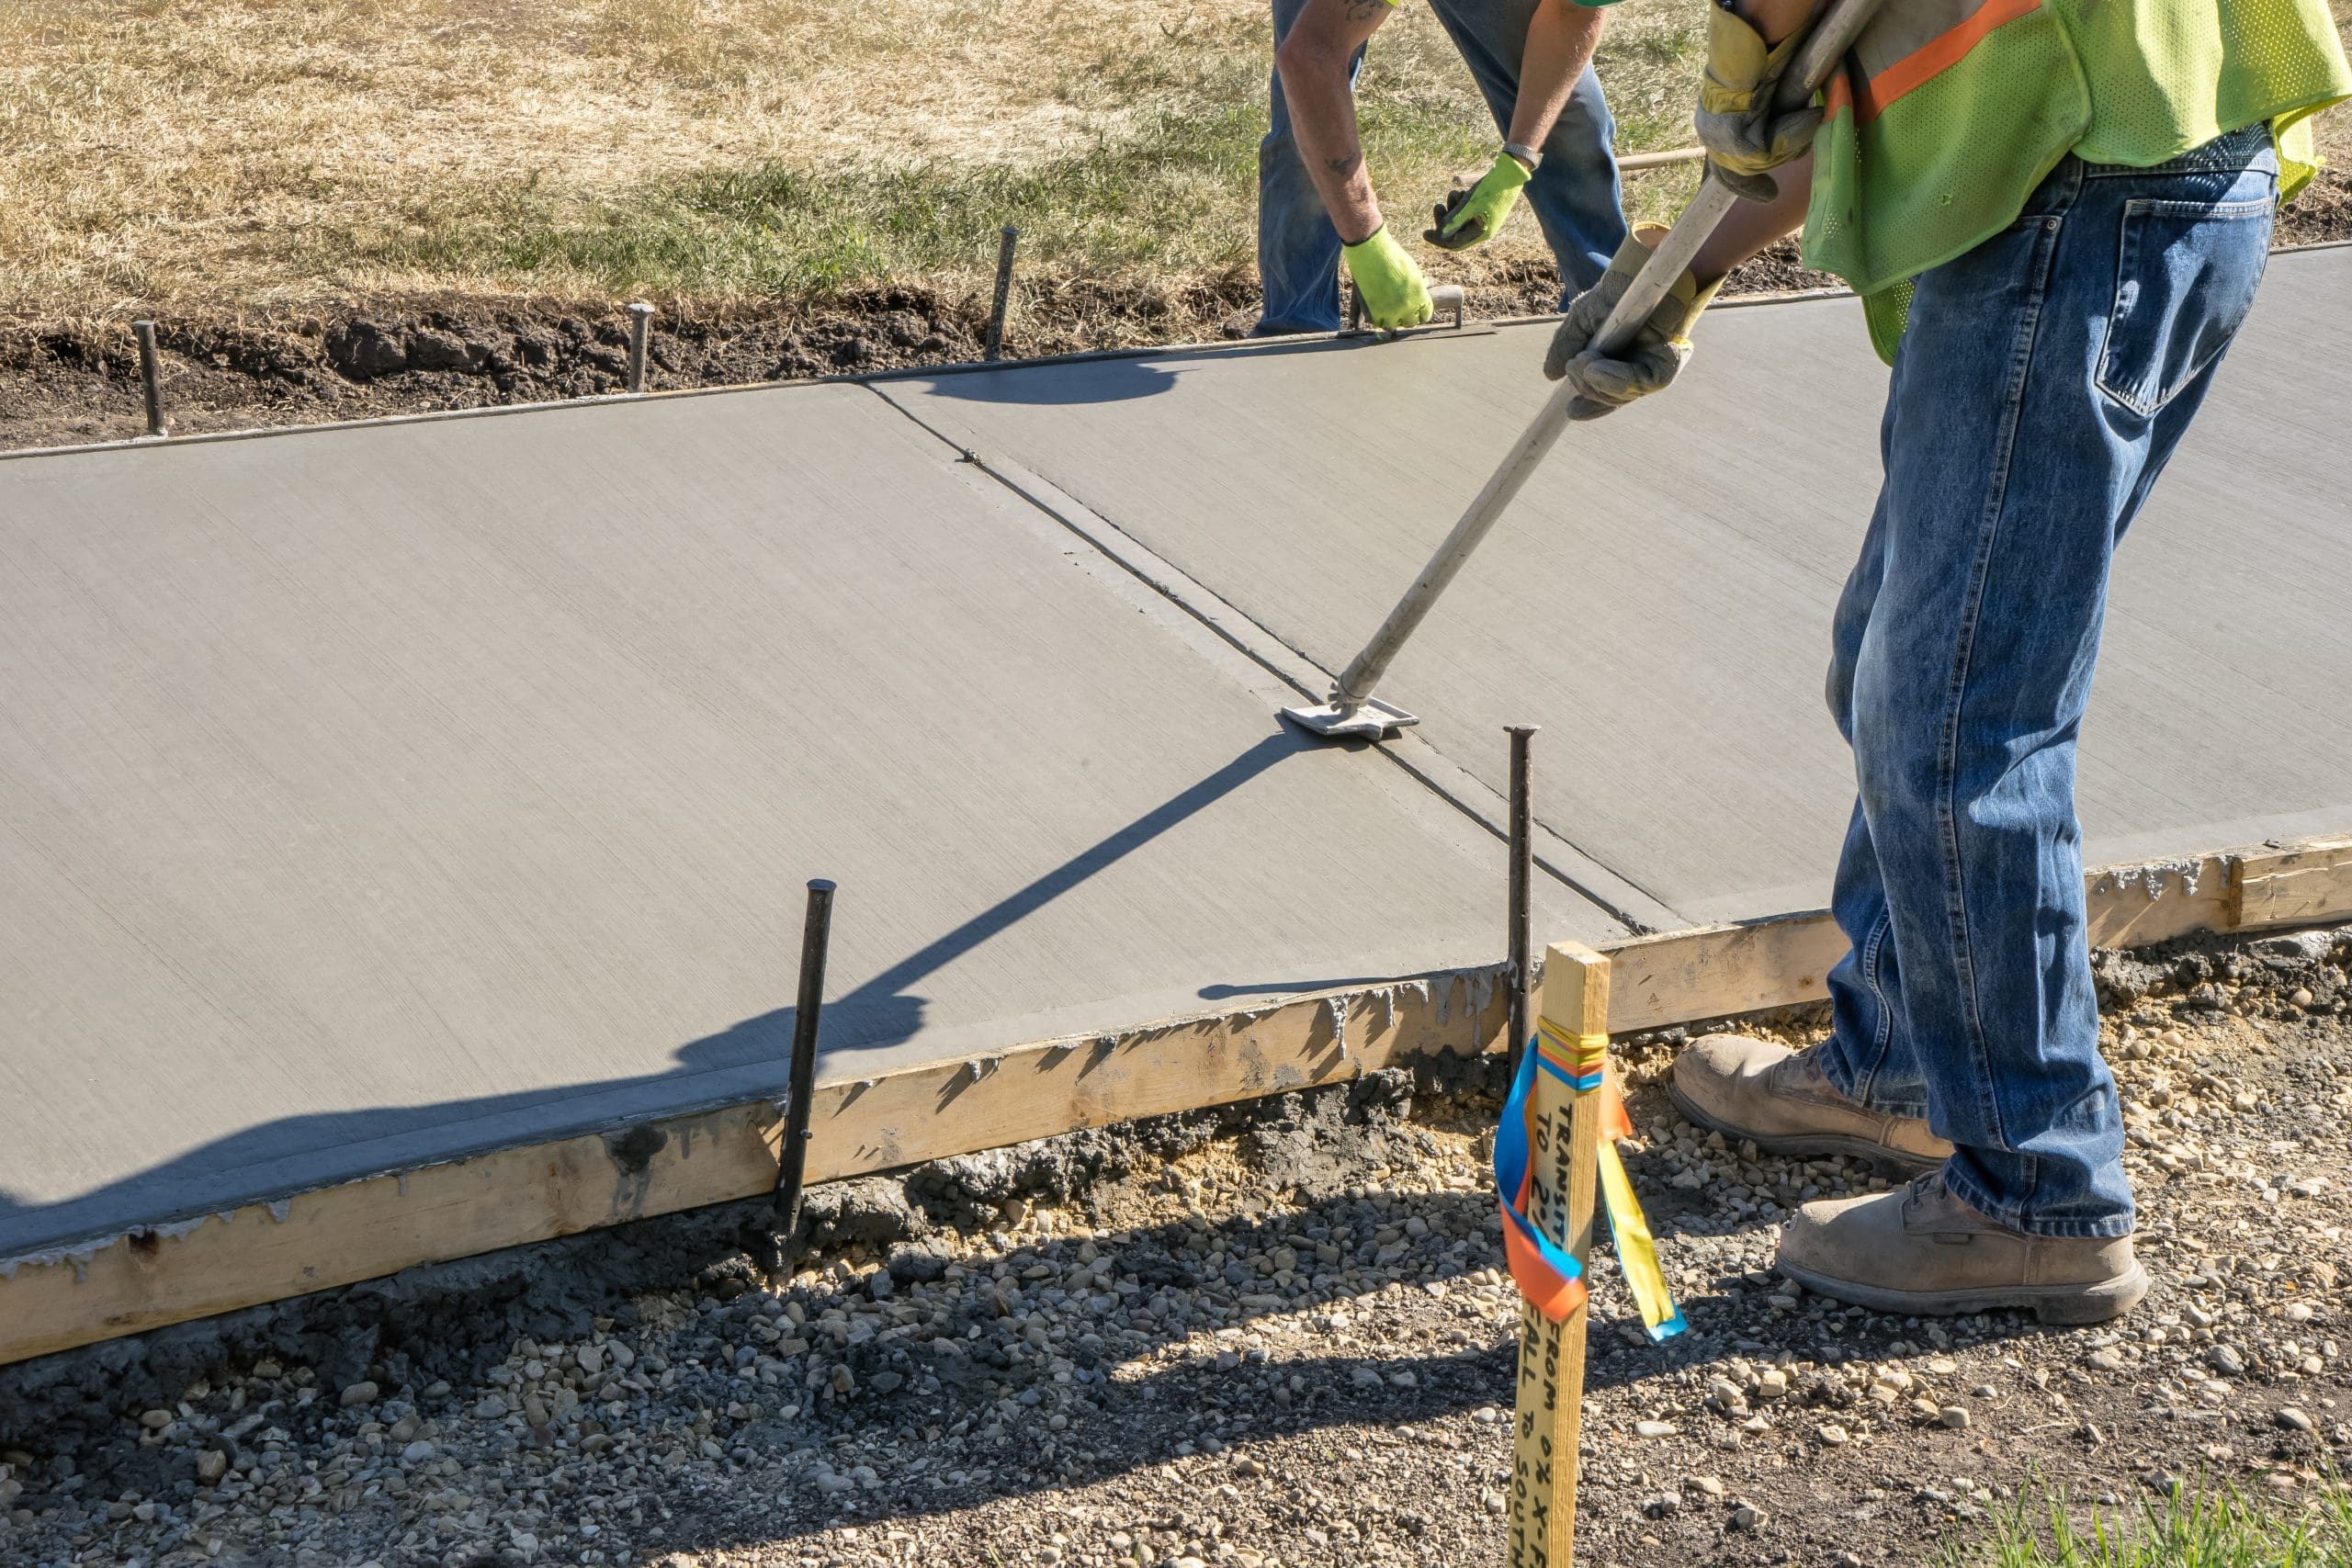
(1745, 1088)
(1920, 1251)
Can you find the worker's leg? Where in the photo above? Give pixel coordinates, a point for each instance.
(2044, 381)
(1574, 194)
(1298, 249)
(1859, 1092)
(1868, 1054)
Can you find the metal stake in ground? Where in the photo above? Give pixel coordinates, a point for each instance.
(1565, 1159)
(1522, 868)
(640, 327)
(1353, 712)
(151, 378)
(792, 1166)
(1005, 243)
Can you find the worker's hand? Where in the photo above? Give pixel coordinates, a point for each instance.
(1395, 293)
(1473, 214)
(1745, 137)
(1606, 385)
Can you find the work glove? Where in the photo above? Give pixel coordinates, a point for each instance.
(1604, 386)
(1743, 134)
(1473, 214)
(1395, 294)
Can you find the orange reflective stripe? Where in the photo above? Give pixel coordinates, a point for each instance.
(1922, 64)
(1837, 93)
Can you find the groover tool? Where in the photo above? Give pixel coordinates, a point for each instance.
(1353, 711)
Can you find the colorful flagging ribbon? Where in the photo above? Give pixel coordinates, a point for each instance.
(1548, 1274)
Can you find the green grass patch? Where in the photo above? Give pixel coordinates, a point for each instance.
(2208, 1528)
(1175, 194)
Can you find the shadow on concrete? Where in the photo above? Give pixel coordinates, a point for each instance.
(743, 1062)
(1106, 378)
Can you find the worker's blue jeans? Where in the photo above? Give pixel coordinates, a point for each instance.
(1574, 194)
(2045, 377)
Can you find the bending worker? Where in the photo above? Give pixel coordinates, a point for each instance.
(2057, 215)
(1532, 60)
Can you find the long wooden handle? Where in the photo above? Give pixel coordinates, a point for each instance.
(1815, 59)
(1819, 54)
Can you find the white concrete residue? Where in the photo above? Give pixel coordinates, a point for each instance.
(78, 1255)
(279, 1209)
(1335, 1008)
(1483, 984)
(2153, 878)
(1385, 1000)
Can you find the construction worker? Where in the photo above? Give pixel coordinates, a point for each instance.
(1532, 62)
(2056, 213)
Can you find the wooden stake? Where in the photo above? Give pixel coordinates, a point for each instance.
(1563, 1156)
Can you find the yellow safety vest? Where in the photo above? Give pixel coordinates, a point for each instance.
(1948, 113)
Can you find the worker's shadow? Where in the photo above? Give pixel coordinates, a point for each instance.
(1110, 377)
(746, 1062)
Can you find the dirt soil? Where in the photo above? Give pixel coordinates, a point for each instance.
(1271, 1337)
(65, 383)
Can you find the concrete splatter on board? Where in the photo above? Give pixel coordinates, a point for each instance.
(2153, 878)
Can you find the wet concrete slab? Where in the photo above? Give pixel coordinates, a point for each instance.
(1660, 597)
(377, 795)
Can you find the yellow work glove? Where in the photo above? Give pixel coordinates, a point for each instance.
(1604, 386)
(1473, 213)
(1395, 294)
(1745, 137)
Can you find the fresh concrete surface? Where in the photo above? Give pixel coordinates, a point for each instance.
(377, 795)
(380, 794)
(1660, 597)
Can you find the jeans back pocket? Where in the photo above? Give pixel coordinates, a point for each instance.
(2184, 276)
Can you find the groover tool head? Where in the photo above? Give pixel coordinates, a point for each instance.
(1369, 720)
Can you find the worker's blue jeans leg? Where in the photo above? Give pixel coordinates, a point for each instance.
(1573, 195)
(2044, 381)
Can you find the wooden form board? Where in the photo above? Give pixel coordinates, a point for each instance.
(362, 1230)
(119, 1284)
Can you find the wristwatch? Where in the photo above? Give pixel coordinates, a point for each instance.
(1525, 154)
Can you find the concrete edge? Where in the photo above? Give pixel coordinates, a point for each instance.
(124, 1283)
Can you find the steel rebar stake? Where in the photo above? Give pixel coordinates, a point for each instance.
(641, 328)
(151, 378)
(1522, 880)
(1005, 241)
(793, 1162)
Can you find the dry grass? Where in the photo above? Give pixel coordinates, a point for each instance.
(269, 152)
(223, 154)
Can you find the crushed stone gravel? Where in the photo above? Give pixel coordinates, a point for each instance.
(1271, 1337)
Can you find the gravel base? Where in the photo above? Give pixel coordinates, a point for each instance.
(1273, 1335)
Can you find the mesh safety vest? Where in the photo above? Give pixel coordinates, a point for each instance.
(1948, 113)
